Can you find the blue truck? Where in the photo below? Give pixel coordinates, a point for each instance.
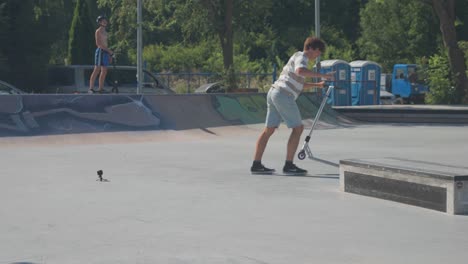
(406, 84)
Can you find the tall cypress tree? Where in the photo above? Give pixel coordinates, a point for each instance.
(3, 40)
(23, 45)
(81, 44)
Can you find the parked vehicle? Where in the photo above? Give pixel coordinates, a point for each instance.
(406, 85)
(6, 88)
(387, 98)
(75, 79)
(216, 87)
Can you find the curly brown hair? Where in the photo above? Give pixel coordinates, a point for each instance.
(314, 43)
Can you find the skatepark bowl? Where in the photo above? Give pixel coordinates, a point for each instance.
(176, 188)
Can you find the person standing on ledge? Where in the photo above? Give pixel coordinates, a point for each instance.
(281, 105)
(102, 56)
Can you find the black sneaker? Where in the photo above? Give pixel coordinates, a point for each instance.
(102, 91)
(260, 169)
(292, 169)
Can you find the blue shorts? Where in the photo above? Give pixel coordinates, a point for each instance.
(281, 105)
(101, 58)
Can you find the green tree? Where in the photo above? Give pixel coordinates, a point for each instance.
(29, 28)
(464, 47)
(221, 16)
(189, 22)
(3, 37)
(81, 41)
(343, 15)
(397, 31)
(292, 21)
(123, 17)
(59, 46)
(445, 10)
(442, 87)
(338, 46)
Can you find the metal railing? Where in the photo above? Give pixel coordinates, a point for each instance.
(188, 82)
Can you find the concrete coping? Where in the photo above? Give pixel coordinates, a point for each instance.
(430, 185)
(412, 167)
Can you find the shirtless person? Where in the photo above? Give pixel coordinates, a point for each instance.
(102, 57)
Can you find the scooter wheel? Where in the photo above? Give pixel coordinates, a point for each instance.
(301, 155)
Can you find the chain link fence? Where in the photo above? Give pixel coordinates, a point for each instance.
(187, 82)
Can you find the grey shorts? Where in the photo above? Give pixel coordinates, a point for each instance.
(281, 105)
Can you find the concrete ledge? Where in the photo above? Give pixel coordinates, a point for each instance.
(426, 184)
(406, 113)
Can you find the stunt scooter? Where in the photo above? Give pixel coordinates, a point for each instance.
(115, 83)
(305, 148)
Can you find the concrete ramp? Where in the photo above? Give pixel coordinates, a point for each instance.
(25, 115)
(186, 196)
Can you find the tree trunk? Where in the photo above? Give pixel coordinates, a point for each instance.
(445, 10)
(220, 13)
(226, 35)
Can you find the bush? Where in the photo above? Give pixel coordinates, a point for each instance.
(183, 58)
(203, 57)
(442, 89)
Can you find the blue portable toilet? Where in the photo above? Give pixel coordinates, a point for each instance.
(365, 82)
(342, 93)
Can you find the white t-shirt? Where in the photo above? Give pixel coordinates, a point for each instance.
(288, 79)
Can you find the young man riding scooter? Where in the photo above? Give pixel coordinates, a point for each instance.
(281, 105)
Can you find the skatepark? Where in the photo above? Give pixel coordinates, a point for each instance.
(177, 187)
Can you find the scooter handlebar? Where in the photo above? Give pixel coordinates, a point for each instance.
(327, 84)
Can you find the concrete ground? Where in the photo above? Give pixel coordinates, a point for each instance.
(182, 197)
